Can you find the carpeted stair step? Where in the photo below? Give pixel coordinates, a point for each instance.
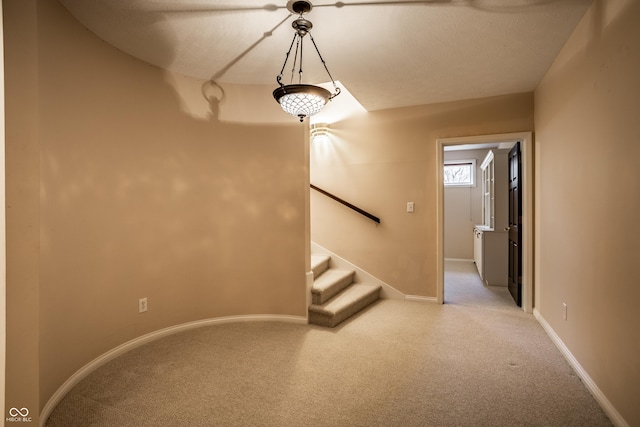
(344, 305)
(319, 264)
(329, 284)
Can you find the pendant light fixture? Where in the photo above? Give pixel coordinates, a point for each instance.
(302, 100)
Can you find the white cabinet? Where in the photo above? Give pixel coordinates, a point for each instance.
(490, 239)
(477, 248)
(495, 190)
(491, 255)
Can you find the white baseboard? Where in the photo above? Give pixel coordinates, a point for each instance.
(606, 405)
(137, 342)
(361, 276)
(459, 259)
(387, 292)
(418, 298)
(308, 286)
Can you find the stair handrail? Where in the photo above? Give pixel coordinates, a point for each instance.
(347, 204)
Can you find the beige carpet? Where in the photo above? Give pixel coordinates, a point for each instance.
(463, 286)
(395, 364)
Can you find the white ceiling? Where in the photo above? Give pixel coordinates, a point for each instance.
(387, 55)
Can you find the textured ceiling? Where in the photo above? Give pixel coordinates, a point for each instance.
(387, 55)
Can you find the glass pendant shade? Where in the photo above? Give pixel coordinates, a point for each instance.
(301, 100)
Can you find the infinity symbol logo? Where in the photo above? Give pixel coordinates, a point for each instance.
(14, 412)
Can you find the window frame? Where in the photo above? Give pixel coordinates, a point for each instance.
(471, 162)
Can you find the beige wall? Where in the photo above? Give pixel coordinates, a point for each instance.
(115, 193)
(462, 209)
(22, 201)
(384, 159)
(588, 199)
(3, 240)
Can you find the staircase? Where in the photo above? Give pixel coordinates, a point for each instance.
(334, 295)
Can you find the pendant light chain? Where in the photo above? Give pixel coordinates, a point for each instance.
(300, 70)
(286, 59)
(300, 40)
(295, 58)
(325, 67)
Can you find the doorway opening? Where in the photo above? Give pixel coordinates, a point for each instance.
(476, 147)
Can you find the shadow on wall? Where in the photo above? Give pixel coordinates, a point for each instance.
(509, 7)
(140, 197)
(144, 25)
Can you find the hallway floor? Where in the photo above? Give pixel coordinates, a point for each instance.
(463, 286)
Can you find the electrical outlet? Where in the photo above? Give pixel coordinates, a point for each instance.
(564, 310)
(142, 305)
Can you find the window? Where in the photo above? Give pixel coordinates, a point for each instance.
(460, 173)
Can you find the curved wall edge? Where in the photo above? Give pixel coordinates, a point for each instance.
(101, 360)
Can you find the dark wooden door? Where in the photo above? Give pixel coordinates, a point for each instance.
(515, 224)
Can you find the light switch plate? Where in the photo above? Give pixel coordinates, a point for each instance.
(410, 207)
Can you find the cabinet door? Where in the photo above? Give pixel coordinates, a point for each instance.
(488, 174)
(477, 250)
(495, 256)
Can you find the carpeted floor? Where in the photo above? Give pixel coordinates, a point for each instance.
(463, 286)
(475, 361)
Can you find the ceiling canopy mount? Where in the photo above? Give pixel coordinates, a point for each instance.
(299, 7)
